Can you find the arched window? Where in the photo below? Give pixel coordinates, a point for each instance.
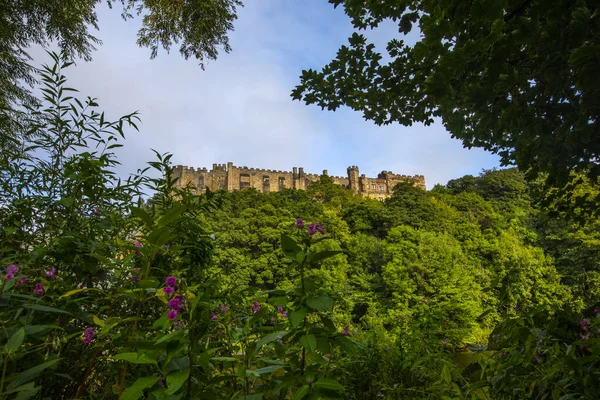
(201, 181)
(266, 184)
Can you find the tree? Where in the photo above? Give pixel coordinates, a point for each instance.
(200, 26)
(515, 78)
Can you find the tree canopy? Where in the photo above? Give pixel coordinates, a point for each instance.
(517, 78)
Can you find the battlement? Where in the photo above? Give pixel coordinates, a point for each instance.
(230, 177)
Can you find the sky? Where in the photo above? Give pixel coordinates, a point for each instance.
(240, 110)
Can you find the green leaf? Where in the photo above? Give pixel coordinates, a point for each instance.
(71, 292)
(149, 283)
(31, 373)
(266, 370)
(159, 236)
(136, 390)
(296, 317)
(320, 302)
(143, 215)
(15, 341)
(271, 337)
(252, 397)
(303, 391)
(176, 379)
(38, 307)
(135, 358)
(329, 325)
(322, 255)
(224, 359)
(171, 215)
(170, 337)
(309, 342)
(289, 247)
(328, 384)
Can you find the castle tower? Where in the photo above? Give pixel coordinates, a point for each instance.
(353, 179)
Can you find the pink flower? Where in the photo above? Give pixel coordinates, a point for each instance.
(168, 290)
(39, 289)
(172, 314)
(213, 317)
(171, 281)
(11, 269)
(9, 277)
(22, 281)
(138, 244)
(51, 274)
(255, 306)
(279, 309)
(284, 314)
(224, 308)
(280, 341)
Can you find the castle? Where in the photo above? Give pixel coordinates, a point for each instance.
(230, 177)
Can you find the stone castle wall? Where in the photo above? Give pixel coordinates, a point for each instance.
(230, 177)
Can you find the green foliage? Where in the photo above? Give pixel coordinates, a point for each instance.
(517, 79)
(135, 289)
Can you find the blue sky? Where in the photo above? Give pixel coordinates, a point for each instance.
(239, 109)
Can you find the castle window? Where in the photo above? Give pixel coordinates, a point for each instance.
(281, 183)
(381, 188)
(244, 181)
(372, 186)
(201, 181)
(266, 184)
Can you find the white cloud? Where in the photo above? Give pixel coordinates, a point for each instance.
(240, 108)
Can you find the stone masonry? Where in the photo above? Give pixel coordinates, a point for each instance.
(229, 177)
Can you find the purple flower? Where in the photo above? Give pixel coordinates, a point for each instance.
(138, 244)
(346, 331)
(172, 314)
(279, 309)
(517, 307)
(51, 274)
(89, 335)
(273, 319)
(176, 303)
(171, 281)
(160, 383)
(136, 271)
(213, 317)
(223, 308)
(95, 211)
(312, 229)
(280, 341)
(255, 306)
(596, 311)
(11, 269)
(299, 223)
(167, 246)
(583, 336)
(319, 228)
(584, 323)
(39, 289)
(22, 281)
(135, 279)
(168, 290)
(9, 277)
(284, 314)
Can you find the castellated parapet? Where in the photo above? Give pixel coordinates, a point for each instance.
(229, 177)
